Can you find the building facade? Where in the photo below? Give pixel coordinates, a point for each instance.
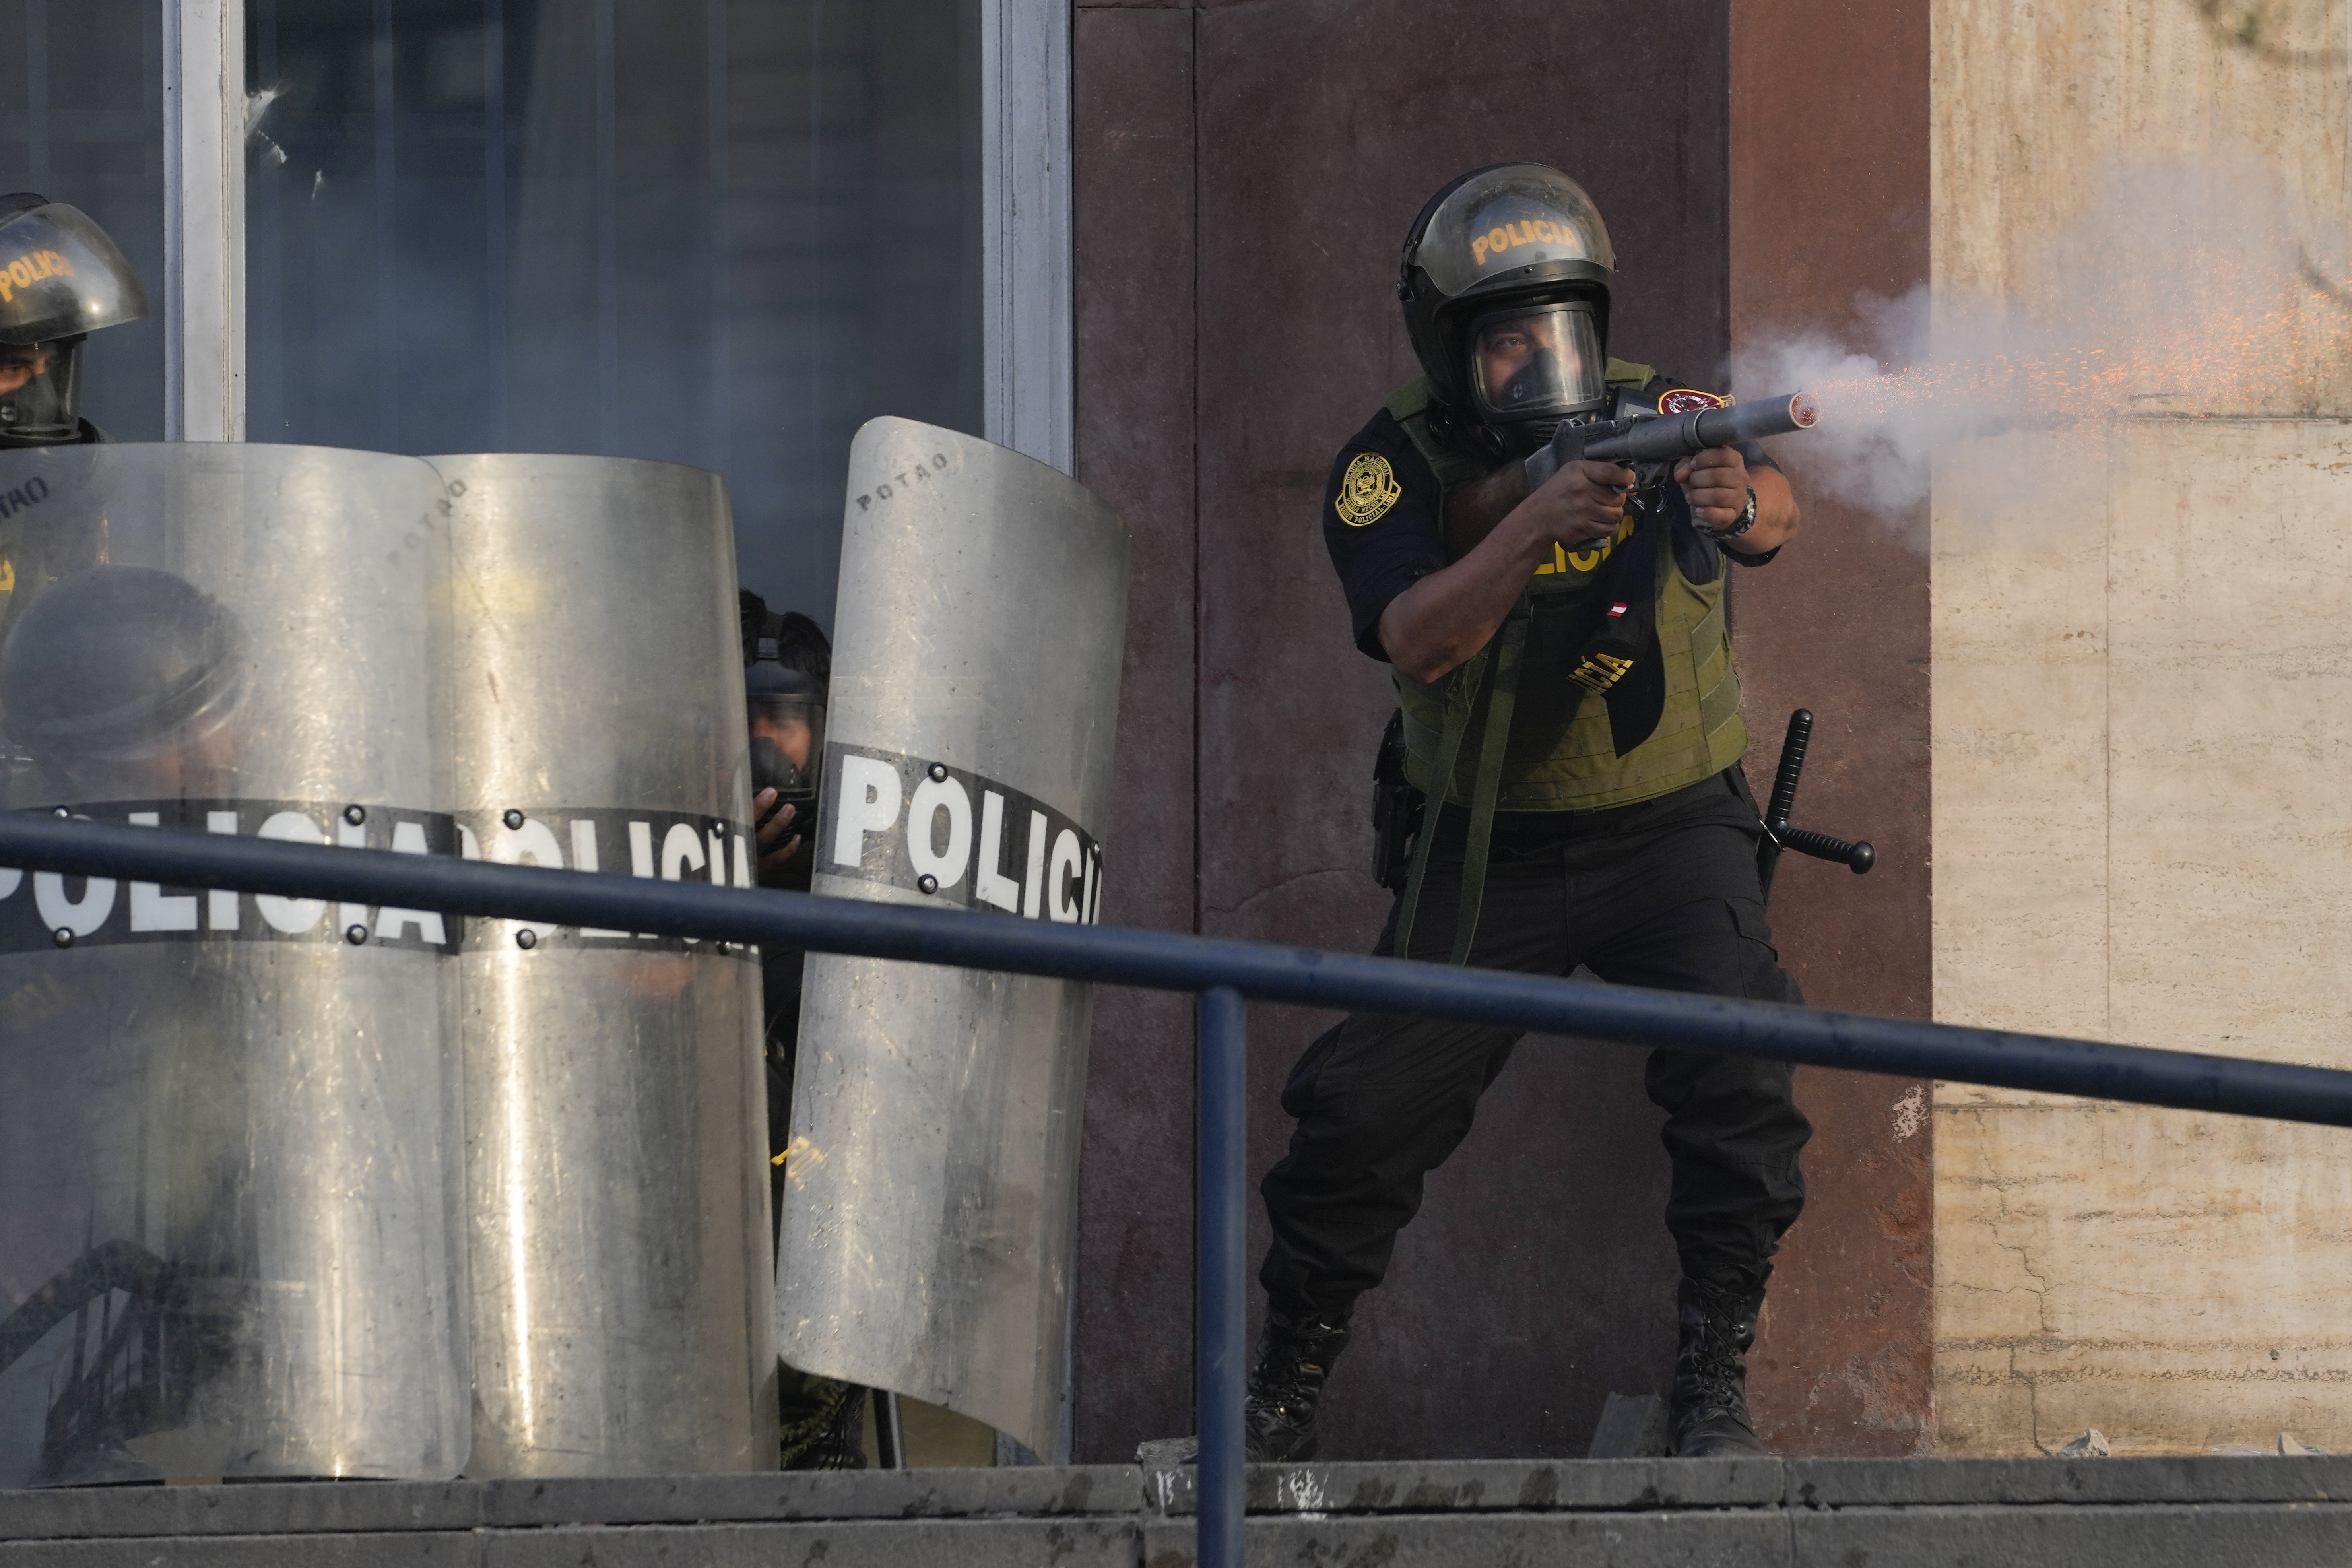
(1155, 243)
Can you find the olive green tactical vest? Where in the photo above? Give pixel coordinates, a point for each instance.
(1558, 755)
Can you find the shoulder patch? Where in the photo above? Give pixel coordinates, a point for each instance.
(1367, 490)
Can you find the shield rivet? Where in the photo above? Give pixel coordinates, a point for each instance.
(356, 815)
(938, 775)
(356, 935)
(514, 818)
(62, 937)
(61, 811)
(928, 882)
(526, 939)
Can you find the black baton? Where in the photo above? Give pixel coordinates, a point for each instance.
(1778, 835)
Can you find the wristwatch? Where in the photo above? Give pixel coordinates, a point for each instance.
(1747, 520)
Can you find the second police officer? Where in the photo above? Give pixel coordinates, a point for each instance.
(1568, 705)
(787, 662)
(61, 279)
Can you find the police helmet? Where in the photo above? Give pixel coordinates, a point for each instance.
(1504, 280)
(119, 663)
(61, 279)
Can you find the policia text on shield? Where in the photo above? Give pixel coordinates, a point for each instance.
(1556, 629)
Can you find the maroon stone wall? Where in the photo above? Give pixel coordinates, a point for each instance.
(1245, 173)
(1829, 203)
(1134, 173)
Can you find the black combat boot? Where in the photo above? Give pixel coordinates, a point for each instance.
(839, 1443)
(1710, 1411)
(1294, 1357)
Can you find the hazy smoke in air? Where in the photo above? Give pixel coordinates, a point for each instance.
(2184, 287)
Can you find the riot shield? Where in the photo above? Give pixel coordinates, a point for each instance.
(231, 1239)
(931, 1202)
(616, 1111)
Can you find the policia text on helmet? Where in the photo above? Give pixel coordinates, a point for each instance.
(1568, 745)
(1504, 280)
(61, 279)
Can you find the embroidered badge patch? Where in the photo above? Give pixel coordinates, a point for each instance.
(1367, 490)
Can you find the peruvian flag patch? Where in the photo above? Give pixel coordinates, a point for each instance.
(1615, 610)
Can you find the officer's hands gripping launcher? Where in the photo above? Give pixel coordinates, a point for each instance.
(1651, 443)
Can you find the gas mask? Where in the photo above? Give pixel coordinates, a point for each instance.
(40, 387)
(1534, 366)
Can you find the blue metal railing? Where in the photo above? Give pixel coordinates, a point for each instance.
(1224, 974)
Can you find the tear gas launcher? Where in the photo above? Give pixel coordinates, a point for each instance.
(1651, 443)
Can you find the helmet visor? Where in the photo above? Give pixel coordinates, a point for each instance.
(787, 744)
(40, 386)
(1543, 363)
(1511, 217)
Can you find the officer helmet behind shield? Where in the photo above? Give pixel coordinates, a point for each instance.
(120, 664)
(787, 712)
(61, 279)
(786, 664)
(1505, 282)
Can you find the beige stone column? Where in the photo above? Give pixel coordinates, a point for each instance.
(2143, 775)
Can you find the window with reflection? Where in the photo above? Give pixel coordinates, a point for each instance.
(716, 232)
(81, 121)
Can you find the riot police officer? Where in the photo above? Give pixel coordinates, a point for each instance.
(61, 279)
(119, 683)
(787, 662)
(125, 683)
(1569, 710)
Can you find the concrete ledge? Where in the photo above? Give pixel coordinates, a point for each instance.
(855, 1543)
(1474, 1486)
(1628, 1513)
(1748, 1540)
(377, 1507)
(2054, 1536)
(1848, 1483)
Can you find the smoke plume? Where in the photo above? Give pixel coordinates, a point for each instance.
(2183, 289)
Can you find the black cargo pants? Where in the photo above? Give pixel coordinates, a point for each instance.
(1663, 895)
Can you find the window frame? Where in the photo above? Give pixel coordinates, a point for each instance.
(1027, 266)
(1028, 315)
(203, 220)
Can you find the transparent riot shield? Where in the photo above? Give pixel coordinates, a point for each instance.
(932, 1195)
(616, 1111)
(231, 1236)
